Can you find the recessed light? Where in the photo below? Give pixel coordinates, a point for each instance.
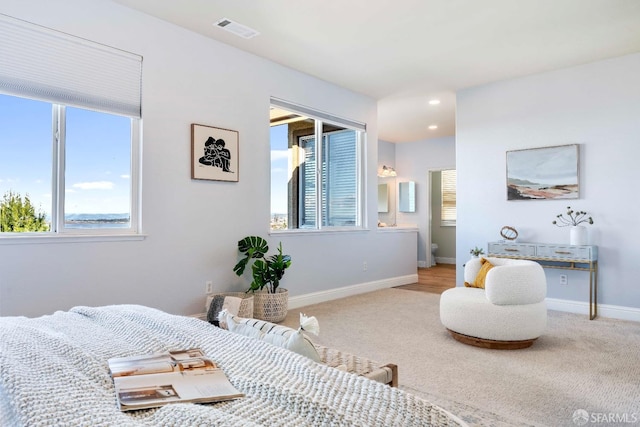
(433, 127)
(434, 102)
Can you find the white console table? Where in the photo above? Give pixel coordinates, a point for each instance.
(566, 257)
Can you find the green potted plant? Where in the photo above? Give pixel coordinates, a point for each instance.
(270, 301)
(476, 252)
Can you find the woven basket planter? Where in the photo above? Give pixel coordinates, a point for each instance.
(271, 307)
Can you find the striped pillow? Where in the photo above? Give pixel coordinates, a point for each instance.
(280, 336)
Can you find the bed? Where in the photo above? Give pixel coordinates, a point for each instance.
(54, 372)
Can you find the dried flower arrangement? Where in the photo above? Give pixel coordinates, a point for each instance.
(573, 218)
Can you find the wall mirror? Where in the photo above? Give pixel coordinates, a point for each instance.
(383, 198)
(407, 196)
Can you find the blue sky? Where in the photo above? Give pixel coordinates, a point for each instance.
(97, 157)
(279, 169)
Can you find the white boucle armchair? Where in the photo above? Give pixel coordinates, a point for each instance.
(510, 313)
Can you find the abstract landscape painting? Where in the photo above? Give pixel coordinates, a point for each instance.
(543, 173)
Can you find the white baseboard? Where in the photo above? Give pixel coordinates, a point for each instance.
(347, 291)
(604, 310)
(439, 260)
(569, 306)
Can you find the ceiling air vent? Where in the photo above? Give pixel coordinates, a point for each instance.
(237, 29)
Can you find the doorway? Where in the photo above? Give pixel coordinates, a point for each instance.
(441, 229)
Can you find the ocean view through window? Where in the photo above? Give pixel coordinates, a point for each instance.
(101, 220)
(71, 165)
(70, 135)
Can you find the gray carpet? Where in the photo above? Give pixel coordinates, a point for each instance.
(577, 364)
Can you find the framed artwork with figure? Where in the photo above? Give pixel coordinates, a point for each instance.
(214, 153)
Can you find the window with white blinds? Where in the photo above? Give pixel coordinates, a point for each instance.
(448, 205)
(69, 132)
(315, 171)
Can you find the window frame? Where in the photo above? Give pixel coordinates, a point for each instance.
(47, 65)
(322, 119)
(58, 230)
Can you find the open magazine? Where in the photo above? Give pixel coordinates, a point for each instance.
(174, 377)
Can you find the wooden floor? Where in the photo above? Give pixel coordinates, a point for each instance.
(436, 279)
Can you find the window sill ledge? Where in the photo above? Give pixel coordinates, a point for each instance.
(71, 238)
(398, 229)
(316, 231)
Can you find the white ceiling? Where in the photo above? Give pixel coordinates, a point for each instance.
(407, 52)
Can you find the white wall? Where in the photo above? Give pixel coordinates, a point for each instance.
(595, 105)
(414, 160)
(192, 227)
(386, 154)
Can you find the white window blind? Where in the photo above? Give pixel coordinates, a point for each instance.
(48, 65)
(307, 196)
(339, 179)
(448, 186)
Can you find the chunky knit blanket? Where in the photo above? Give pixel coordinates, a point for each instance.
(54, 372)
